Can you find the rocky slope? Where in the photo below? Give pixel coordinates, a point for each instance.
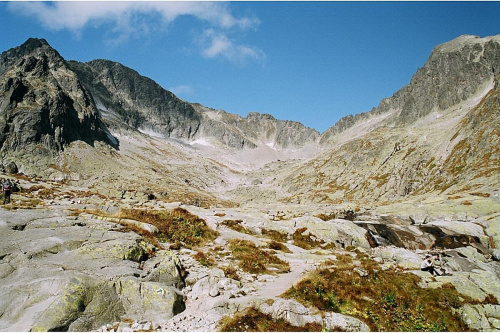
(428, 138)
(125, 96)
(372, 195)
(454, 72)
(43, 106)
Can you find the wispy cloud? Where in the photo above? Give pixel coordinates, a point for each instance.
(74, 15)
(137, 18)
(216, 44)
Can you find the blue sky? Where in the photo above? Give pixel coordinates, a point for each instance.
(312, 62)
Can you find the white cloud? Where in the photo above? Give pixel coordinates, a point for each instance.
(215, 44)
(137, 18)
(75, 15)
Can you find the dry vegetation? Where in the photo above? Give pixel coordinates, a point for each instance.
(204, 259)
(273, 245)
(178, 226)
(230, 272)
(275, 235)
(174, 226)
(236, 226)
(385, 300)
(254, 260)
(252, 320)
(305, 241)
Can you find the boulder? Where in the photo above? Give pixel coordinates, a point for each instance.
(461, 281)
(496, 254)
(11, 168)
(342, 323)
(474, 317)
(291, 311)
(165, 267)
(341, 232)
(151, 299)
(404, 258)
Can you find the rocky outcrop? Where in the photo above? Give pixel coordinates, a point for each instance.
(58, 273)
(452, 74)
(43, 106)
(256, 129)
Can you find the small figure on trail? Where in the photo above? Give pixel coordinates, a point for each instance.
(428, 265)
(7, 189)
(439, 265)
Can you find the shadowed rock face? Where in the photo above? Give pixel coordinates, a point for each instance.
(137, 100)
(43, 106)
(419, 237)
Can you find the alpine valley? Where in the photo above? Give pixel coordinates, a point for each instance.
(134, 210)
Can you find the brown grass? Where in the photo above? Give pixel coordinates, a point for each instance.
(177, 226)
(174, 226)
(254, 260)
(385, 300)
(466, 203)
(275, 235)
(305, 241)
(204, 259)
(236, 226)
(252, 320)
(478, 194)
(230, 272)
(279, 247)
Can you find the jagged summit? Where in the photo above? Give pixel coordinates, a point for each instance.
(454, 72)
(464, 40)
(43, 105)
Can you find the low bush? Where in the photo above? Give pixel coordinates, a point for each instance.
(203, 259)
(385, 300)
(230, 272)
(305, 241)
(279, 247)
(174, 226)
(252, 320)
(275, 235)
(254, 260)
(236, 226)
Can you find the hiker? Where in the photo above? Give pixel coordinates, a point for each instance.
(6, 188)
(428, 265)
(439, 265)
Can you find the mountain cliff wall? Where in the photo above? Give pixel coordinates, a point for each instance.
(43, 106)
(454, 72)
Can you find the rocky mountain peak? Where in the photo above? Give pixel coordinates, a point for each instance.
(43, 106)
(454, 72)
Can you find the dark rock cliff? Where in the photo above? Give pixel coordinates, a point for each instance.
(43, 106)
(137, 100)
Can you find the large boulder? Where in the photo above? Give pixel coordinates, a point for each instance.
(11, 167)
(149, 299)
(342, 323)
(402, 257)
(58, 273)
(340, 232)
(291, 311)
